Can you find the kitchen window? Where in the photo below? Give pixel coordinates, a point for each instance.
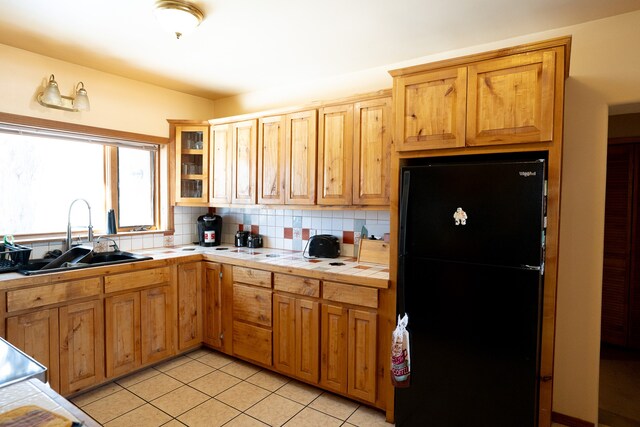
(44, 170)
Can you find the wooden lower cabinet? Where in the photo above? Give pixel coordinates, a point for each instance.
(213, 331)
(252, 342)
(333, 365)
(138, 329)
(296, 341)
(189, 305)
(122, 328)
(348, 351)
(81, 346)
(36, 334)
(156, 324)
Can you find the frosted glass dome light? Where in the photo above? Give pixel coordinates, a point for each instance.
(178, 17)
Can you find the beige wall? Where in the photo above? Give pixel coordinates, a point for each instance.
(604, 64)
(116, 102)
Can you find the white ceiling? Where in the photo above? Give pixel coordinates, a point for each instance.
(248, 45)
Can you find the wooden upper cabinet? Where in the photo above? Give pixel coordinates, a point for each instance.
(192, 164)
(244, 145)
(430, 109)
(372, 152)
(220, 160)
(300, 160)
(511, 99)
(335, 151)
(271, 160)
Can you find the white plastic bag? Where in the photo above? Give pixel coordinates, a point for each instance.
(400, 354)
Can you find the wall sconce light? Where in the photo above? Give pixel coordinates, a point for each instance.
(178, 16)
(51, 97)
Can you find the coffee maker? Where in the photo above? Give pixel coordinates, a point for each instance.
(209, 230)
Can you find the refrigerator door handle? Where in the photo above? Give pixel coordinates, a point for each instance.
(531, 267)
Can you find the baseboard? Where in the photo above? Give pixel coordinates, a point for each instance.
(568, 421)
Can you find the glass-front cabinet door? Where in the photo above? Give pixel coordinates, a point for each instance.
(192, 167)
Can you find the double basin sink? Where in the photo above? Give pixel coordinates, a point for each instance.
(79, 257)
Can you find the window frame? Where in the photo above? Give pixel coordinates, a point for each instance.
(103, 135)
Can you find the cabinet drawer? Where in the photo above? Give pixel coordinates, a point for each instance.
(350, 294)
(252, 277)
(51, 294)
(296, 285)
(252, 342)
(136, 279)
(252, 305)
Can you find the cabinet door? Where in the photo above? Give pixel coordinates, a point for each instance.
(511, 99)
(271, 164)
(212, 305)
(37, 335)
(251, 304)
(372, 152)
(156, 324)
(430, 110)
(244, 162)
(122, 328)
(362, 355)
(189, 305)
(81, 346)
(284, 333)
(300, 162)
(335, 151)
(220, 170)
(333, 365)
(192, 164)
(307, 324)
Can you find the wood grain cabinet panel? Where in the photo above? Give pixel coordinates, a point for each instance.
(81, 346)
(220, 161)
(307, 344)
(362, 355)
(252, 342)
(122, 328)
(335, 151)
(284, 333)
(189, 305)
(252, 304)
(430, 109)
(300, 157)
(271, 160)
(252, 276)
(213, 329)
(511, 99)
(244, 140)
(372, 152)
(36, 334)
(157, 324)
(334, 334)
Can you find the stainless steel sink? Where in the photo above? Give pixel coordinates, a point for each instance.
(80, 257)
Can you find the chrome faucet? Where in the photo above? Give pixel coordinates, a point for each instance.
(89, 227)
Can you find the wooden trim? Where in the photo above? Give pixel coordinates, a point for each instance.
(569, 421)
(298, 108)
(468, 59)
(80, 129)
(624, 140)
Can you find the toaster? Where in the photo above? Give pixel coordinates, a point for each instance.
(324, 246)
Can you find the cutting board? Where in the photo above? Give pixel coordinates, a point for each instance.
(374, 251)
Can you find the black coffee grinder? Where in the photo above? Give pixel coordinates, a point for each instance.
(209, 230)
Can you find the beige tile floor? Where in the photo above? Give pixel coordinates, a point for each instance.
(207, 388)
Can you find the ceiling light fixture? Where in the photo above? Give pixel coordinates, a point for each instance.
(50, 97)
(177, 16)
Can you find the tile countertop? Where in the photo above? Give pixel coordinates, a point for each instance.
(281, 258)
(277, 260)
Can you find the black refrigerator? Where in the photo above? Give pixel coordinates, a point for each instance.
(470, 278)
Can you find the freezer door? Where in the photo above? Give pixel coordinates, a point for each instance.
(489, 213)
(474, 335)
